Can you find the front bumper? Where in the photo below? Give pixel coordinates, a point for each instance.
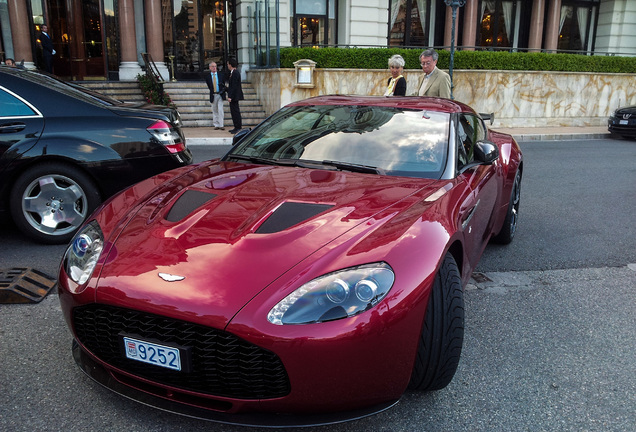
(212, 409)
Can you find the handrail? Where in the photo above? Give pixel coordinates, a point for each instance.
(153, 73)
(151, 68)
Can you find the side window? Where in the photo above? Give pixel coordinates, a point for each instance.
(470, 130)
(12, 106)
(465, 141)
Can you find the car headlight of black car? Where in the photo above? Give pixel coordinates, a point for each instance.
(338, 295)
(82, 254)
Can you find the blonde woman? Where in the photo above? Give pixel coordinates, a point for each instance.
(396, 86)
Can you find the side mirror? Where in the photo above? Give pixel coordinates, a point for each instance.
(239, 136)
(486, 152)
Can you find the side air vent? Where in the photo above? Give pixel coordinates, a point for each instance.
(187, 203)
(290, 214)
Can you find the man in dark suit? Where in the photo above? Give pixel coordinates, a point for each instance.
(47, 48)
(234, 94)
(217, 95)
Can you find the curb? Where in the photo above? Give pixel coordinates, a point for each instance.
(554, 137)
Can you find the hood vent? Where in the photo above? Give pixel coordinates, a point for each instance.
(290, 214)
(187, 203)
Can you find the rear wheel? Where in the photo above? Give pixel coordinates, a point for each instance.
(49, 202)
(442, 336)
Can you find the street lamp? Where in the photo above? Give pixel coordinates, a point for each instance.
(454, 4)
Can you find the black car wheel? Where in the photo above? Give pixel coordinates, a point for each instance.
(440, 344)
(509, 227)
(50, 201)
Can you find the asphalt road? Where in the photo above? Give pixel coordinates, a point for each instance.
(550, 322)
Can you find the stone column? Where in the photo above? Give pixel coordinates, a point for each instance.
(448, 27)
(552, 26)
(470, 24)
(129, 67)
(154, 36)
(19, 20)
(536, 26)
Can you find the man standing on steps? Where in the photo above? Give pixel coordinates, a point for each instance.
(47, 48)
(217, 95)
(234, 94)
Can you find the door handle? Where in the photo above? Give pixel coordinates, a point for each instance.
(12, 127)
(469, 215)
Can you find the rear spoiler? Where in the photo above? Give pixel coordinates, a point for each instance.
(488, 117)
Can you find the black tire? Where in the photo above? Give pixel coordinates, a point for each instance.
(509, 227)
(442, 337)
(50, 201)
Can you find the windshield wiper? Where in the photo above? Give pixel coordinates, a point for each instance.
(343, 166)
(347, 166)
(254, 159)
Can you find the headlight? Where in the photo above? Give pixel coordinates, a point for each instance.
(335, 296)
(82, 254)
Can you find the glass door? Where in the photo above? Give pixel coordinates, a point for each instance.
(196, 38)
(76, 30)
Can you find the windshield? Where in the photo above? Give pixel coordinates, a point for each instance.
(389, 140)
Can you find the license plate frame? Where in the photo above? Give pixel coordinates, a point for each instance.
(161, 354)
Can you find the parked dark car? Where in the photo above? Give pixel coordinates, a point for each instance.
(315, 271)
(622, 122)
(65, 149)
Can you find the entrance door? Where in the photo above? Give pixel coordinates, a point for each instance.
(76, 28)
(197, 36)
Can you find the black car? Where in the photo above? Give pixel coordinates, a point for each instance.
(65, 149)
(622, 122)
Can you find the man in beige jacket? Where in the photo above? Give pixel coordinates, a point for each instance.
(434, 82)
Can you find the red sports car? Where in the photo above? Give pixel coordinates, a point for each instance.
(311, 275)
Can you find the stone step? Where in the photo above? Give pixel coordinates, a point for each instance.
(192, 99)
(194, 106)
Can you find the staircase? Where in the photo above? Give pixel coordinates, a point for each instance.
(192, 99)
(125, 91)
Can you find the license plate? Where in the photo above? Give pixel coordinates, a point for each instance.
(623, 122)
(152, 353)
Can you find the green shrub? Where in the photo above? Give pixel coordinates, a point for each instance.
(153, 91)
(377, 58)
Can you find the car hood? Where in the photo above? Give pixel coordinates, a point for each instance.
(206, 243)
(625, 110)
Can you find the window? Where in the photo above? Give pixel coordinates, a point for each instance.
(575, 27)
(13, 107)
(314, 22)
(470, 130)
(409, 23)
(497, 23)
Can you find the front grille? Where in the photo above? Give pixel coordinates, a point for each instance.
(221, 363)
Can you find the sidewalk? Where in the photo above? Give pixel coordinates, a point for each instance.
(209, 136)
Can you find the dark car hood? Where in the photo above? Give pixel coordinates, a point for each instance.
(626, 110)
(230, 230)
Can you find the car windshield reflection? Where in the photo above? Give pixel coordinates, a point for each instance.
(386, 140)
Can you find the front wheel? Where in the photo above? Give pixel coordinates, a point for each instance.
(49, 202)
(442, 336)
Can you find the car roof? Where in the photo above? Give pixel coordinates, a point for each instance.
(408, 102)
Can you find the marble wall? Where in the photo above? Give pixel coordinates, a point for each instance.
(518, 99)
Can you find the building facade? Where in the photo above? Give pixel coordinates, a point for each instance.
(105, 39)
